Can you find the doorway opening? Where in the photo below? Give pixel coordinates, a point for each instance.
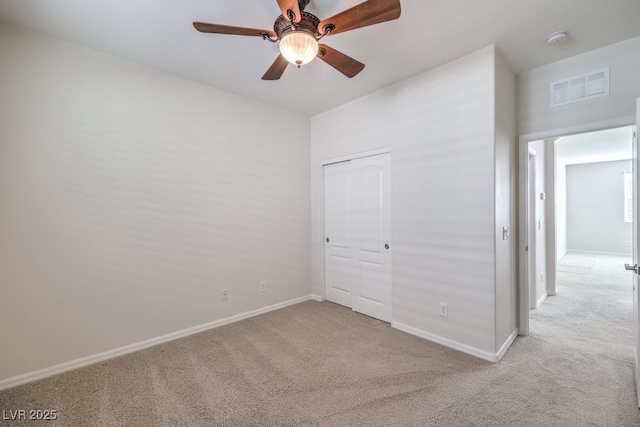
(575, 198)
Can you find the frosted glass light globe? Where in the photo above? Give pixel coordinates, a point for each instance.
(299, 47)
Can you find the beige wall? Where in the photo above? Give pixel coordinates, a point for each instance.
(130, 198)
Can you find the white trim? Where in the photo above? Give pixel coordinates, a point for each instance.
(552, 293)
(318, 298)
(550, 169)
(95, 358)
(523, 236)
(636, 371)
(577, 251)
(627, 177)
(482, 354)
(523, 164)
(543, 297)
(360, 155)
(507, 344)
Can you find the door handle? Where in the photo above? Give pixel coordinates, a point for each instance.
(633, 267)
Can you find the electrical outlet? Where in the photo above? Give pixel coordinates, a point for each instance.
(225, 294)
(263, 286)
(444, 310)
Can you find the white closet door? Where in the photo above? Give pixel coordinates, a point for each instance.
(358, 229)
(371, 244)
(338, 270)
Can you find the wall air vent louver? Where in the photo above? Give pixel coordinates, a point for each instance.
(580, 88)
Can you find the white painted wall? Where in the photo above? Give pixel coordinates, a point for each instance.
(591, 147)
(595, 208)
(131, 197)
(534, 113)
(441, 127)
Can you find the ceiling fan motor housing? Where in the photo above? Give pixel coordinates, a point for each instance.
(308, 23)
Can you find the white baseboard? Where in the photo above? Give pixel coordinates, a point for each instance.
(560, 255)
(95, 358)
(553, 293)
(482, 354)
(541, 299)
(576, 251)
(507, 344)
(318, 298)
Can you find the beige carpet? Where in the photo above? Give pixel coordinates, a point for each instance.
(321, 364)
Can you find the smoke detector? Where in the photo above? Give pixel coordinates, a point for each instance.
(556, 38)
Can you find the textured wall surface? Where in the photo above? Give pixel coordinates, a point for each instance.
(131, 198)
(623, 59)
(595, 208)
(440, 126)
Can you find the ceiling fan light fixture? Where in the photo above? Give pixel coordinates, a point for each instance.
(298, 32)
(298, 47)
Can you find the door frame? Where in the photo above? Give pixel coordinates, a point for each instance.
(524, 263)
(531, 223)
(321, 217)
(635, 245)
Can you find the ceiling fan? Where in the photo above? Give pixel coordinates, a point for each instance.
(297, 32)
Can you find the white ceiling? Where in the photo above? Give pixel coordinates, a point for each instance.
(601, 146)
(159, 33)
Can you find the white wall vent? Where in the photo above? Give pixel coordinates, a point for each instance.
(580, 88)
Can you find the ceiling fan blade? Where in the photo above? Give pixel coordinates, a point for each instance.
(338, 60)
(290, 5)
(368, 13)
(277, 68)
(204, 27)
